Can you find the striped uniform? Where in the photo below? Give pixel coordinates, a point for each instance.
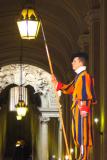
(82, 90)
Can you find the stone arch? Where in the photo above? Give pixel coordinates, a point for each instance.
(36, 77)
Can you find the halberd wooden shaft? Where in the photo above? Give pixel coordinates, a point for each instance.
(57, 97)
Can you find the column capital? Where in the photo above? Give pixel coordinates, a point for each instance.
(92, 16)
(83, 40)
(44, 119)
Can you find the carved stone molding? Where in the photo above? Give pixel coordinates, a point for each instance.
(83, 40)
(92, 16)
(44, 119)
(31, 75)
(49, 112)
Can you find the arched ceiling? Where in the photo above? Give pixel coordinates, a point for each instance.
(63, 23)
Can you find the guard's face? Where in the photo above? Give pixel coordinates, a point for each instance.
(76, 63)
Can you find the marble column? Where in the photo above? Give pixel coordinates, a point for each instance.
(43, 141)
(103, 68)
(93, 21)
(44, 101)
(60, 141)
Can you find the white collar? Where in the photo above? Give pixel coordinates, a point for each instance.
(80, 69)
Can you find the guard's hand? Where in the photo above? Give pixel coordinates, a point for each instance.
(84, 109)
(83, 113)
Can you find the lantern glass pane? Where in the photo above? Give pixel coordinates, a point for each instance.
(28, 29)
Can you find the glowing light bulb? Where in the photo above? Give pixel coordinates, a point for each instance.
(96, 120)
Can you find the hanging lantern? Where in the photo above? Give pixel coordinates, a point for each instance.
(19, 117)
(14, 94)
(28, 24)
(21, 108)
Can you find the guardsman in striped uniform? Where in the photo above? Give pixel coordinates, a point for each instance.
(82, 90)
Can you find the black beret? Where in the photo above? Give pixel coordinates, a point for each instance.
(80, 55)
